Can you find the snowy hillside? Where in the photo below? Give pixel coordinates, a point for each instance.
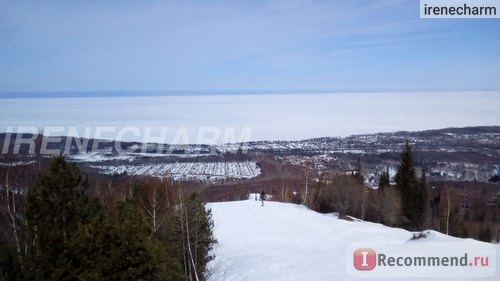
(289, 242)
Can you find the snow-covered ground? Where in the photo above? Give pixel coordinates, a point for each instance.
(289, 242)
(189, 170)
(18, 163)
(98, 157)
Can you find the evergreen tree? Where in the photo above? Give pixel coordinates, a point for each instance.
(122, 247)
(56, 207)
(71, 237)
(387, 201)
(193, 225)
(359, 172)
(384, 180)
(412, 197)
(422, 198)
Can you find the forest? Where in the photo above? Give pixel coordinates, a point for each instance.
(58, 224)
(63, 221)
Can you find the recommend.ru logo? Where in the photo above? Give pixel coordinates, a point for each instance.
(422, 259)
(365, 259)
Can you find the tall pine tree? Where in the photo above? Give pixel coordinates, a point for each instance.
(384, 180)
(71, 237)
(413, 198)
(422, 198)
(56, 207)
(122, 246)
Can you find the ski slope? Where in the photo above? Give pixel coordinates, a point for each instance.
(289, 242)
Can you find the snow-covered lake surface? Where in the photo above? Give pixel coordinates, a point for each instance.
(226, 118)
(289, 242)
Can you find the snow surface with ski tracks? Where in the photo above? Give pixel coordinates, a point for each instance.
(290, 242)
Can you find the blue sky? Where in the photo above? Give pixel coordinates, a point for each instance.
(347, 45)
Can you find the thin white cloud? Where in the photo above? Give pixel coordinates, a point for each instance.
(204, 44)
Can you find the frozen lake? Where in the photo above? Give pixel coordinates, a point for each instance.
(215, 118)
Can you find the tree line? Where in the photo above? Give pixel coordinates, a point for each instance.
(64, 228)
(402, 205)
(403, 201)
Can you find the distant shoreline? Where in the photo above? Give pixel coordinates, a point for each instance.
(97, 94)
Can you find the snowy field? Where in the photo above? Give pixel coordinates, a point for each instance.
(270, 117)
(98, 157)
(289, 242)
(189, 170)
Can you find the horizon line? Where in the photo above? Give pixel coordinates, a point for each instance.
(152, 93)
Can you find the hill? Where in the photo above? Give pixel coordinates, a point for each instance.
(290, 242)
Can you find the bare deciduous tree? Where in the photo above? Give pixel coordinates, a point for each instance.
(12, 203)
(307, 171)
(153, 199)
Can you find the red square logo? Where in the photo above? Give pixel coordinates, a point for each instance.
(365, 259)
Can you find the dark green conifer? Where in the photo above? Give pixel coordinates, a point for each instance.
(56, 207)
(71, 237)
(193, 225)
(413, 195)
(384, 180)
